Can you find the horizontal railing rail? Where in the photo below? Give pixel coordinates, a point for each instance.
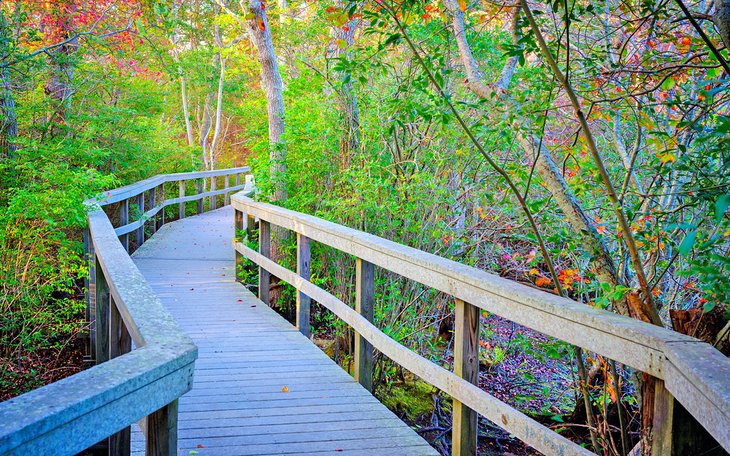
(125, 386)
(685, 369)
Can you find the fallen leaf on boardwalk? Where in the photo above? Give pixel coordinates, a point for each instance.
(199, 446)
(339, 449)
(239, 300)
(285, 390)
(253, 305)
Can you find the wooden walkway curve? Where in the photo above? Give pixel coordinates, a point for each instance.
(260, 386)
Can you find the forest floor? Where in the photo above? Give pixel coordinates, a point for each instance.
(23, 372)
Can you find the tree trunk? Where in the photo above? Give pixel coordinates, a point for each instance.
(721, 18)
(9, 126)
(273, 85)
(344, 38)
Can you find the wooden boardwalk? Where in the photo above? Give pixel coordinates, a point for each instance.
(261, 387)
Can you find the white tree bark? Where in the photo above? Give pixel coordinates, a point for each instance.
(273, 85)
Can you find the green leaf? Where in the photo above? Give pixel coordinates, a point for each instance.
(721, 205)
(689, 240)
(709, 306)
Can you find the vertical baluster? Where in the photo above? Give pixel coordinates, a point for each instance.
(226, 197)
(200, 200)
(466, 366)
(90, 283)
(238, 180)
(120, 343)
(140, 230)
(364, 299)
(238, 230)
(251, 227)
(123, 220)
(162, 431)
(181, 194)
(153, 199)
(101, 322)
(663, 420)
(265, 250)
(303, 269)
(213, 187)
(161, 199)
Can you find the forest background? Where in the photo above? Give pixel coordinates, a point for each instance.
(578, 146)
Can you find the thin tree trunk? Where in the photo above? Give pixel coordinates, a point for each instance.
(273, 87)
(205, 126)
(344, 38)
(9, 126)
(219, 99)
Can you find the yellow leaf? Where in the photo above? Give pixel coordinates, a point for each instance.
(284, 389)
(462, 5)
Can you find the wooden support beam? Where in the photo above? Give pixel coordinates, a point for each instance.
(140, 230)
(123, 220)
(304, 271)
(211, 198)
(101, 320)
(161, 200)
(162, 431)
(265, 250)
(199, 186)
(663, 420)
(466, 366)
(153, 200)
(250, 226)
(90, 282)
(181, 194)
(364, 303)
(226, 197)
(120, 342)
(238, 234)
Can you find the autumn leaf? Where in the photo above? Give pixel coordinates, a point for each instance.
(284, 389)
(462, 5)
(262, 26)
(542, 281)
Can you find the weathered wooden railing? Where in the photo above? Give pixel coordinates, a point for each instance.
(689, 374)
(125, 386)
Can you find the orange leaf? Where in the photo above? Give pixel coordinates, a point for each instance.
(462, 5)
(284, 389)
(262, 26)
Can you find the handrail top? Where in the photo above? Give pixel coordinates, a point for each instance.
(131, 190)
(682, 361)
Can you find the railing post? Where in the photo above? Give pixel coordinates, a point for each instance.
(663, 420)
(466, 366)
(199, 186)
(181, 194)
(265, 250)
(90, 283)
(153, 198)
(238, 179)
(123, 220)
(250, 226)
(162, 431)
(140, 230)
(303, 269)
(211, 199)
(238, 229)
(226, 196)
(161, 220)
(120, 342)
(101, 322)
(364, 299)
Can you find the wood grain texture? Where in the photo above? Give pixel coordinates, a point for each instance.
(304, 271)
(364, 305)
(261, 386)
(466, 366)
